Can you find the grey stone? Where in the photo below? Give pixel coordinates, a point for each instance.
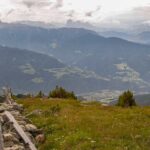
(8, 144)
(8, 137)
(2, 109)
(31, 128)
(40, 138)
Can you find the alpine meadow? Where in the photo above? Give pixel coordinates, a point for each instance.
(74, 75)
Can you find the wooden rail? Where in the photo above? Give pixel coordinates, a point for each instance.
(20, 131)
(1, 138)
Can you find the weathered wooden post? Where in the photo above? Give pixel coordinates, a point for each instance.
(8, 95)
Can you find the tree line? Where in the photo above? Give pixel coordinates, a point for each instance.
(57, 92)
(126, 99)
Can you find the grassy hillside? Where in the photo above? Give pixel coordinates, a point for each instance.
(72, 125)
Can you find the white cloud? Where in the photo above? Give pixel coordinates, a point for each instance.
(33, 10)
(101, 12)
(130, 19)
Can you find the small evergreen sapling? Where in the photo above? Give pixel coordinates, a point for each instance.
(126, 99)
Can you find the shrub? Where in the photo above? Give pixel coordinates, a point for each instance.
(60, 92)
(22, 96)
(126, 99)
(40, 95)
(2, 99)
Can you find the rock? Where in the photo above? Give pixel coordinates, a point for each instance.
(35, 112)
(27, 120)
(2, 109)
(7, 106)
(4, 118)
(8, 144)
(23, 127)
(12, 140)
(22, 123)
(105, 105)
(1, 119)
(30, 136)
(40, 138)
(31, 128)
(19, 118)
(18, 107)
(8, 126)
(15, 135)
(8, 137)
(15, 113)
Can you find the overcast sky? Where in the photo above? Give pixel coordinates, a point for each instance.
(113, 13)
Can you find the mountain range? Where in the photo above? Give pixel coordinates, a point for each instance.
(27, 71)
(89, 61)
(139, 37)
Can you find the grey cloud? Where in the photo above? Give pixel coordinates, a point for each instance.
(136, 17)
(91, 13)
(42, 3)
(34, 3)
(71, 14)
(49, 11)
(78, 24)
(98, 8)
(10, 12)
(140, 13)
(28, 4)
(59, 3)
(130, 20)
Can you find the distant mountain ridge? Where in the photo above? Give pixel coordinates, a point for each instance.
(142, 37)
(112, 63)
(27, 71)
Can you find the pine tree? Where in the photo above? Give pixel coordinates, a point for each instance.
(60, 92)
(126, 99)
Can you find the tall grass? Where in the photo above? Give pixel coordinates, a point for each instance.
(72, 125)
